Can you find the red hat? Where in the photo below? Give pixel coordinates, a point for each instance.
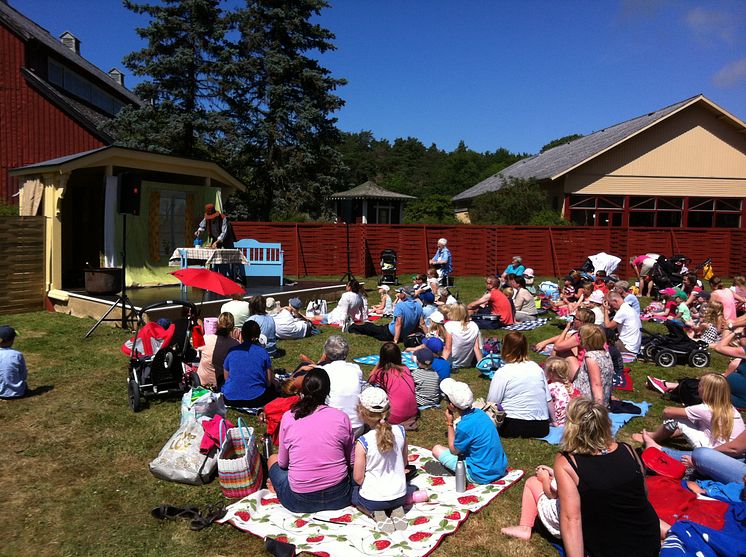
(210, 212)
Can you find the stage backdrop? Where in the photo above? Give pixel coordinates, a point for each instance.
(313, 249)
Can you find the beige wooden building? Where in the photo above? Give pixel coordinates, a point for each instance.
(680, 166)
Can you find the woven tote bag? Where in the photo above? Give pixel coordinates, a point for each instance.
(239, 464)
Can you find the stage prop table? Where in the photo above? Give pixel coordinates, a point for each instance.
(206, 257)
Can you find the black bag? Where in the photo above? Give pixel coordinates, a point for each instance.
(686, 393)
(414, 340)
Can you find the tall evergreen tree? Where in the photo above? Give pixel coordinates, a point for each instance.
(184, 40)
(281, 104)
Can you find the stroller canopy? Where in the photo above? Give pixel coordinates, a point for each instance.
(604, 262)
(150, 338)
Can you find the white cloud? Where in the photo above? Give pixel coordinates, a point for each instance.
(731, 74)
(708, 24)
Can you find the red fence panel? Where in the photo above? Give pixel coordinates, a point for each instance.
(313, 249)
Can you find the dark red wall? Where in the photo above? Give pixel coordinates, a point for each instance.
(31, 128)
(320, 249)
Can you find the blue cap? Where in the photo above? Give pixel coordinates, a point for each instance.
(434, 344)
(295, 303)
(7, 333)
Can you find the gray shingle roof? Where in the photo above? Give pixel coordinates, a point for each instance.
(560, 159)
(370, 190)
(28, 30)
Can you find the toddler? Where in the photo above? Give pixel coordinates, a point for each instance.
(13, 372)
(426, 380)
(539, 499)
(561, 388)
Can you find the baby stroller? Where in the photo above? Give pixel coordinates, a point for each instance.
(160, 358)
(667, 350)
(388, 268)
(668, 273)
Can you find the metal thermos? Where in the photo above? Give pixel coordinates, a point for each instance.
(460, 475)
(267, 446)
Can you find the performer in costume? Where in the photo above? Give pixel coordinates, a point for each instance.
(218, 228)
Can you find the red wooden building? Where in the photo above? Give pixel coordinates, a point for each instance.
(53, 102)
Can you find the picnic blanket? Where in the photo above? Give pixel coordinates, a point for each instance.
(617, 421)
(406, 358)
(622, 381)
(349, 533)
(689, 538)
(526, 325)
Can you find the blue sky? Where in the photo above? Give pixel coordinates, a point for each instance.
(492, 73)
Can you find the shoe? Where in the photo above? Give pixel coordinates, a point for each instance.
(657, 384)
(397, 517)
(211, 514)
(383, 522)
(169, 512)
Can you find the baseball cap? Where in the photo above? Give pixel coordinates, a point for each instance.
(384, 287)
(374, 399)
(427, 297)
(437, 317)
(408, 290)
(424, 355)
(295, 303)
(458, 393)
(668, 291)
(528, 272)
(7, 333)
(597, 297)
(434, 344)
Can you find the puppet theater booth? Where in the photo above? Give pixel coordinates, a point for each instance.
(78, 195)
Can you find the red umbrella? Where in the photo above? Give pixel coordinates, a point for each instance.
(208, 280)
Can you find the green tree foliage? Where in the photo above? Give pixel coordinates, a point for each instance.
(518, 201)
(561, 141)
(180, 63)
(8, 210)
(434, 209)
(548, 217)
(280, 103)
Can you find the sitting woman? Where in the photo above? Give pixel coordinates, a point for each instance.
(725, 296)
(523, 300)
(445, 297)
(466, 341)
(214, 351)
(311, 470)
(351, 307)
(566, 344)
(397, 381)
(249, 380)
(386, 307)
(709, 424)
(596, 371)
(381, 456)
(258, 309)
(601, 488)
(520, 387)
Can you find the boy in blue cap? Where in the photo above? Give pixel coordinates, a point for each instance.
(13, 372)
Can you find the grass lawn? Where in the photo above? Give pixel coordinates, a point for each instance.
(75, 459)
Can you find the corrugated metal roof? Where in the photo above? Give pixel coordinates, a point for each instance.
(29, 30)
(370, 190)
(556, 161)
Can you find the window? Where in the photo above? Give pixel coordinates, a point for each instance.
(171, 216)
(655, 211)
(718, 212)
(74, 83)
(596, 210)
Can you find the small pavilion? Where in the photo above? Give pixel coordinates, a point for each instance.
(369, 203)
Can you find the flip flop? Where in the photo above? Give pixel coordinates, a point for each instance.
(383, 522)
(210, 515)
(169, 512)
(397, 517)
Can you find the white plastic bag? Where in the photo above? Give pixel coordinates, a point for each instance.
(205, 406)
(316, 308)
(180, 459)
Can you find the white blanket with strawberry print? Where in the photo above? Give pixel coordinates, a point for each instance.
(349, 533)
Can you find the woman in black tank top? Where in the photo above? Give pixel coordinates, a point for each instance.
(604, 509)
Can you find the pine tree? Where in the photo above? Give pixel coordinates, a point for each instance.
(280, 102)
(180, 62)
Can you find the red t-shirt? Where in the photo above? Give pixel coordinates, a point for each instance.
(500, 305)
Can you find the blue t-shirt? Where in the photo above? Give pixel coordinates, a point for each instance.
(440, 255)
(517, 270)
(247, 366)
(477, 439)
(632, 300)
(13, 373)
(267, 328)
(411, 312)
(442, 367)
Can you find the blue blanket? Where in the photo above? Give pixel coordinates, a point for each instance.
(372, 360)
(617, 421)
(688, 538)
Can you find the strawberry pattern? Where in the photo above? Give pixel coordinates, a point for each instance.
(348, 532)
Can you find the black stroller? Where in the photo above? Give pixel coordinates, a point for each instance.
(667, 350)
(169, 369)
(388, 268)
(668, 272)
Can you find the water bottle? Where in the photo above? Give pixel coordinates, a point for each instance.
(460, 475)
(267, 446)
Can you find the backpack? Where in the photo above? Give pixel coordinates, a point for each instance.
(550, 289)
(687, 393)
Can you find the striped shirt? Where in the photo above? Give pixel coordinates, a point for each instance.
(427, 387)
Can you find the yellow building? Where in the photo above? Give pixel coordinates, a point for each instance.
(680, 166)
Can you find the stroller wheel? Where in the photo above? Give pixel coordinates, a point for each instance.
(648, 351)
(133, 392)
(699, 359)
(665, 358)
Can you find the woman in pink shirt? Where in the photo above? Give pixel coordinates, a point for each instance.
(397, 381)
(311, 471)
(724, 296)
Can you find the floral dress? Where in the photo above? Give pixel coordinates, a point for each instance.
(561, 398)
(583, 381)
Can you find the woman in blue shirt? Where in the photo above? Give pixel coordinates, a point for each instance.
(249, 380)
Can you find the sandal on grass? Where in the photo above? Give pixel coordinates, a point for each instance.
(169, 512)
(211, 514)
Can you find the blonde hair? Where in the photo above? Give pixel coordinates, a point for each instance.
(437, 328)
(592, 337)
(384, 435)
(716, 395)
(458, 312)
(713, 313)
(587, 428)
(739, 280)
(226, 324)
(446, 310)
(508, 291)
(557, 367)
(585, 315)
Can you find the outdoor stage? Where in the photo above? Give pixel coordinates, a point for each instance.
(79, 303)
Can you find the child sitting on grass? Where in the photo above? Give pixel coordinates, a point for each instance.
(386, 307)
(539, 499)
(13, 372)
(475, 437)
(561, 388)
(682, 310)
(426, 380)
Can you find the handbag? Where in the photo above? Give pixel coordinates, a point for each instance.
(493, 412)
(414, 340)
(239, 466)
(662, 464)
(180, 459)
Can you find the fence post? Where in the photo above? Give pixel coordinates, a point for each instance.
(297, 250)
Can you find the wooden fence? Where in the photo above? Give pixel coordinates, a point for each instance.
(321, 249)
(21, 264)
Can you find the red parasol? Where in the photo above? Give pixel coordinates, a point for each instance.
(208, 280)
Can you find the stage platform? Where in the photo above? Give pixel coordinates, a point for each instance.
(82, 304)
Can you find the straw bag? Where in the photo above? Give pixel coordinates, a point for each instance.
(239, 465)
